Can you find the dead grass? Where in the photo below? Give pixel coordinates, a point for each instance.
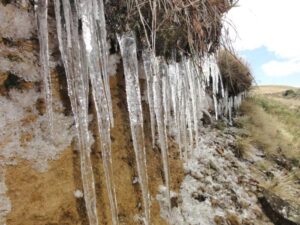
(189, 27)
(235, 72)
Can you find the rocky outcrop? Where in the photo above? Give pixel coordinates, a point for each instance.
(278, 210)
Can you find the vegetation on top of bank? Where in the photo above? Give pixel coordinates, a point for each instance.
(236, 73)
(171, 27)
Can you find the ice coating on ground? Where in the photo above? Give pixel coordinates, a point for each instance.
(215, 185)
(25, 133)
(16, 23)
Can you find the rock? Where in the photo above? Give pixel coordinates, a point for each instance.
(199, 197)
(279, 211)
(174, 201)
(206, 119)
(283, 162)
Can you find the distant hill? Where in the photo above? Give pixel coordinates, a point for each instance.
(272, 89)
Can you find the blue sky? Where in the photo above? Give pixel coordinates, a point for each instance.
(266, 33)
(261, 56)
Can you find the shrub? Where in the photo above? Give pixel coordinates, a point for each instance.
(289, 92)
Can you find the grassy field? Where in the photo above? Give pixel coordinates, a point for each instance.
(271, 121)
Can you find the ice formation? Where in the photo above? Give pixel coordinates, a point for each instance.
(176, 94)
(177, 98)
(159, 74)
(84, 54)
(128, 51)
(147, 57)
(41, 9)
(95, 52)
(74, 59)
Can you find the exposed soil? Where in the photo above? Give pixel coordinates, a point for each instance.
(48, 198)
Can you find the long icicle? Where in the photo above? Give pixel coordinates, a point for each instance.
(41, 9)
(99, 16)
(159, 67)
(94, 55)
(149, 78)
(127, 44)
(192, 87)
(69, 45)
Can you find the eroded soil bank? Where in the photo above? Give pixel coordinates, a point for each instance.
(48, 197)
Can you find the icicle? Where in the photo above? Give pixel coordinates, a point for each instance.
(94, 55)
(159, 68)
(215, 105)
(165, 98)
(69, 44)
(173, 86)
(230, 107)
(149, 77)
(99, 16)
(222, 85)
(226, 102)
(181, 110)
(191, 80)
(41, 9)
(175, 99)
(128, 51)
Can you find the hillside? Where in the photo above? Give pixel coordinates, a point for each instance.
(271, 122)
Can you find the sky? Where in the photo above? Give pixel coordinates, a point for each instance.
(266, 33)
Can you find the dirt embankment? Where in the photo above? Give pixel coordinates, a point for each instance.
(48, 198)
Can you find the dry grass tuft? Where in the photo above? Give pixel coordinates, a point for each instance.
(235, 72)
(286, 186)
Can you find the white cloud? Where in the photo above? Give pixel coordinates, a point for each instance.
(273, 24)
(281, 68)
(270, 23)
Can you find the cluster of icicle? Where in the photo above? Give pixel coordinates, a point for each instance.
(81, 34)
(177, 98)
(176, 94)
